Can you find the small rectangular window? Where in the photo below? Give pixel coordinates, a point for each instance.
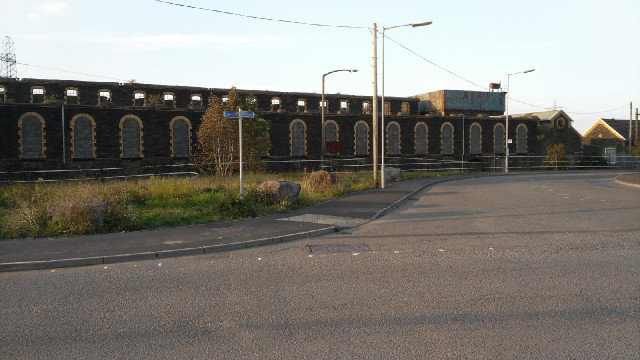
(225, 99)
(72, 92)
(344, 105)
(168, 97)
(196, 100)
(302, 103)
(38, 91)
(105, 94)
(275, 101)
(1, 90)
(139, 95)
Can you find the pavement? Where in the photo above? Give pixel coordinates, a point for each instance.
(331, 216)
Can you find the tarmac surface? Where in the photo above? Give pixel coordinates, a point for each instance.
(330, 216)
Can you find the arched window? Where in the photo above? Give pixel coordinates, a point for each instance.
(521, 133)
(361, 130)
(498, 139)
(180, 137)
(331, 131)
(265, 136)
(83, 137)
(393, 138)
(421, 140)
(475, 138)
(131, 137)
(31, 130)
(298, 133)
(446, 131)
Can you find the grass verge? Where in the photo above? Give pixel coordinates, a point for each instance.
(25, 209)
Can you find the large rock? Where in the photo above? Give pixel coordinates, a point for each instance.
(280, 190)
(392, 174)
(94, 209)
(322, 180)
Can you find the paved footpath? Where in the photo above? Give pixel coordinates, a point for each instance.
(331, 216)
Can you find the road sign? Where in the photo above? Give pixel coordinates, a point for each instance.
(247, 114)
(239, 115)
(236, 114)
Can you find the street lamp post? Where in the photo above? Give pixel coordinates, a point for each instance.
(322, 107)
(506, 126)
(383, 110)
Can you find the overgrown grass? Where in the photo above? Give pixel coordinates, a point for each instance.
(155, 202)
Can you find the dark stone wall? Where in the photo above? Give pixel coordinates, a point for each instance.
(156, 131)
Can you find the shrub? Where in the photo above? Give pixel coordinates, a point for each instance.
(556, 157)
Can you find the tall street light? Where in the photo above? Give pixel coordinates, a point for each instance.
(383, 110)
(506, 126)
(322, 106)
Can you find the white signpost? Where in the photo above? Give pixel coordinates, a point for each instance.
(239, 115)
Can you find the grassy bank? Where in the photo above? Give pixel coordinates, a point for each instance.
(154, 202)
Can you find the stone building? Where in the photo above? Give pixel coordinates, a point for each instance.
(67, 125)
(609, 137)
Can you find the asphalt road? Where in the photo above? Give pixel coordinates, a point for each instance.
(525, 266)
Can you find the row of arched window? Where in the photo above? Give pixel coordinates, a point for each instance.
(32, 137)
(298, 138)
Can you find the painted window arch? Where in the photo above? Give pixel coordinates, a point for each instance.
(104, 96)
(405, 108)
(71, 96)
(37, 94)
(393, 138)
(31, 128)
(196, 100)
(131, 137)
(276, 104)
(331, 131)
(498, 139)
(475, 138)
(521, 139)
(421, 140)
(446, 133)
(180, 137)
(361, 134)
(169, 99)
(366, 107)
(139, 98)
(561, 123)
(302, 105)
(83, 135)
(298, 137)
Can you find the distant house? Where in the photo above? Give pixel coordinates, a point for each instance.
(609, 137)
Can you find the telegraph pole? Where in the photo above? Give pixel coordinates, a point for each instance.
(375, 105)
(630, 124)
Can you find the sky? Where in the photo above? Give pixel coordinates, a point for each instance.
(586, 53)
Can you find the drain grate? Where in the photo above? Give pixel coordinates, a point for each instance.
(339, 248)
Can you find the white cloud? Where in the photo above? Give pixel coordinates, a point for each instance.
(54, 7)
(34, 16)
